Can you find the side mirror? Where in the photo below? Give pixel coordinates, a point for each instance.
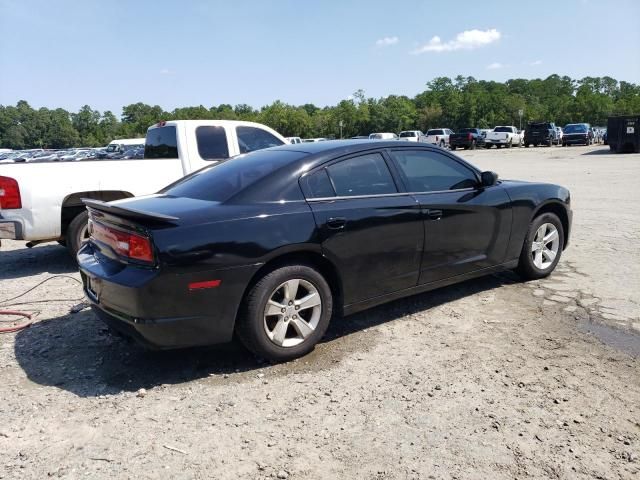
(488, 179)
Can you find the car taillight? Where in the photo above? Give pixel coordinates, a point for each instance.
(469, 136)
(9, 194)
(436, 138)
(125, 244)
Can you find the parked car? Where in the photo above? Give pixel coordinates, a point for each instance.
(577, 134)
(293, 140)
(360, 137)
(270, 245)
(559, 134)
(438, 136)
(623, 133)
(412, 136)
(119, 146)
(504, 136)
(313, 140)
(383, 136)
(43, 202)
(540, 133)
(466, 138)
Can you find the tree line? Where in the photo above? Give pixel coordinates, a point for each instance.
(453, 103)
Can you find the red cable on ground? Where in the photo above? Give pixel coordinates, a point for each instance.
(17, 327)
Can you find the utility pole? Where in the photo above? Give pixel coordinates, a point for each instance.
(341, 123)
(520, 113)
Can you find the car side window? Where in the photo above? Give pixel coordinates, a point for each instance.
(427, 171)
(319, 185)
(251, 138)
(212, 143)
(364, 175)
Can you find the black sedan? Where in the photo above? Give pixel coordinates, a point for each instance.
(272, 244)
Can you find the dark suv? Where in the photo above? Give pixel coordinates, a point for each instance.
(541, 133)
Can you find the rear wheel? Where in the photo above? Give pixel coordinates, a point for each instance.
(77, 233)
(442, 143)
(286, 313)
(452, 147)
(510, 144)
(473, 144)
(542, 247)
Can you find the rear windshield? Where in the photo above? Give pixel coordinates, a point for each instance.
(575, 129)
(435, 132)
(161, 142)
(502, 129)
(408, 134)
(220, 182)
(539, 126)
(467, 130)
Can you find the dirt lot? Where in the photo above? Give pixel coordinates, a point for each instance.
(493, 378)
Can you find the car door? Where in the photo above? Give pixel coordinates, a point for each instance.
(467, 227)
(371, 231)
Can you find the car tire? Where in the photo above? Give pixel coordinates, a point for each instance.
(535, 260)
(452, 147)
(550, 144)
(77, 233)
(283, 336)
(473, 144)
(510, 144)
(441, 143)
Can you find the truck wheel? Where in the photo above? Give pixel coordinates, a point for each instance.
(452, 147)
(77, 233)
(510, 144)
(550, 142)
(441, 143)
(473, 144)
(286, 313)
(526, 145)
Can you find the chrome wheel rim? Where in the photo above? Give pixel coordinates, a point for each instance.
(83, 235)
(545, 245)
(292, 312)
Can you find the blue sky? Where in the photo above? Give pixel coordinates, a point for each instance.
(178, 53)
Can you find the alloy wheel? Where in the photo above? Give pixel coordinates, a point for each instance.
(292, 312)
(545, 245)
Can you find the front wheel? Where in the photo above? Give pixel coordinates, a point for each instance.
(441, 143)
(286, 313)
(542, 247)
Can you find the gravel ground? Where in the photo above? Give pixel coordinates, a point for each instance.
(493, 378)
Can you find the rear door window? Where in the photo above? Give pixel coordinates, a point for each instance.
(251, 138)
(212, 143)
(161, 142)
(364, 175)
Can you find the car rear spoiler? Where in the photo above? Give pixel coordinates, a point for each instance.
(129, 213)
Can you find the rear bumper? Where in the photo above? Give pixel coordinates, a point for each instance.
(575, 140)
(460, 143)
(10, 229)
(158, 309)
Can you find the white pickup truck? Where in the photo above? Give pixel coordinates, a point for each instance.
(41, 202)
(504, 136)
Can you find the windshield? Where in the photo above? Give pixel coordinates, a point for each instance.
(112, 147)
(502, 129)
(575, 128)
(408, 134)
(220, 182)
